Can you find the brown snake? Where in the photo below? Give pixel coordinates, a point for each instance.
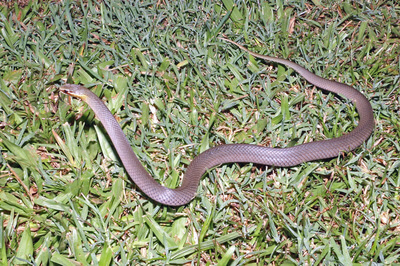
(233, 153)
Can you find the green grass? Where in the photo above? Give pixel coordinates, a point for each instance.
(177, 90)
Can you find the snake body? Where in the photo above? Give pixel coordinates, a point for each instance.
(233, 153)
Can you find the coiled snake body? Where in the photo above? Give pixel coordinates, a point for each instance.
(233, 153)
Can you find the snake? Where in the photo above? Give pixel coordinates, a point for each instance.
(233, 153)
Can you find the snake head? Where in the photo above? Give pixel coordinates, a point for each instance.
(74, 90)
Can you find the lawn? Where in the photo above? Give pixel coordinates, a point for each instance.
(177, 90)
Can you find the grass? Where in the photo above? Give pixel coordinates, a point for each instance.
(177, 90)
